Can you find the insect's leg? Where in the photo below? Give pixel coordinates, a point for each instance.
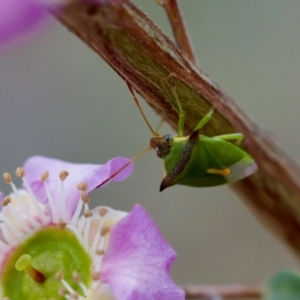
(181, 112)
(231, 136)
(205, 119)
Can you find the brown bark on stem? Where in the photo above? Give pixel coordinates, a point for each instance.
(142, 55)
(233, 291)
(179, 28)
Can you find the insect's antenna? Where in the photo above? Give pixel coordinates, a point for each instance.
(140, 109)
(125, 166)
(160, 124)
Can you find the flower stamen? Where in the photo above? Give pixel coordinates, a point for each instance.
(6, 221)
(76, 232)
(67, 287)
(62, 292)
(63, 211)
(62, 224)
(105, 230)
(100, 250)
(96, 276)
(9, 238)
(82, 186)
(54, 212)
(24, 264)
(103, 211)
(77, 279)
(74, 296)
(97, 235)
(6, 201)
(77, 212)
(10, 231)
(8, 180)
(21, 221)
(85, 200)
(80, 225)
(83, 226)
(86, 231)
(88, 213)
(20, 172)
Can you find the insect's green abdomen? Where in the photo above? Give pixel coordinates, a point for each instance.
(190, 160)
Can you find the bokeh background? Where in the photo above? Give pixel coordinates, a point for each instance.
(59, 99)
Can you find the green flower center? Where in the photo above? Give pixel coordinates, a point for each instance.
(52, 251)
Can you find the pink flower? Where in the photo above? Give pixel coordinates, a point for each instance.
(92, 175)
(138, 260)
(21, 17)
(48, 248)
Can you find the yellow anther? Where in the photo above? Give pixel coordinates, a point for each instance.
(63, 175)
(105, 230)
(62, 291)
(84, 197)
(103, 211)
(74, 296)
(44, 176)
(88, 214)
(59, 276)
(7, 178)
(100, 252)
(96, 276)
(224, 172)
(82, 186)
(76, 277)
(20, 172)
(6, 201)
(62, 224)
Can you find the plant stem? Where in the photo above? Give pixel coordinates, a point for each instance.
(233, 291)
(143, 56)
(179, 28)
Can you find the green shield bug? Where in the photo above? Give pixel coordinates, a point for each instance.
(197, 160)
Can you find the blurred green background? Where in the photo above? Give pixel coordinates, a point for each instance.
(59, 99)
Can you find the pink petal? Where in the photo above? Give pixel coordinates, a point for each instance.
(91, 174)
(138, 260)
(19, 17)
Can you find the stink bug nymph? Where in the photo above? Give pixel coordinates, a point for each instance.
(198, 160)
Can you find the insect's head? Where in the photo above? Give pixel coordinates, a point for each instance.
(161, 144)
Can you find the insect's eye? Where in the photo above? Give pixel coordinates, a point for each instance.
(167, 137)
